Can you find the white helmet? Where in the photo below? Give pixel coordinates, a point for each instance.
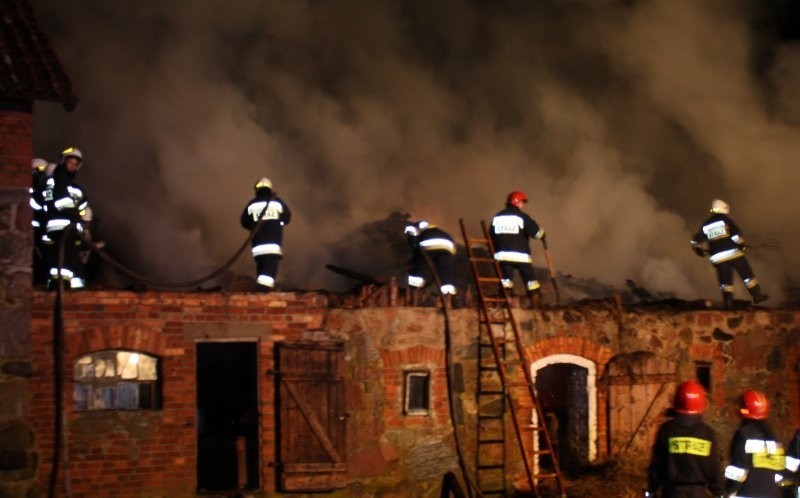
(264, 183)
(720, 206)
(39, 164)
(72, 152)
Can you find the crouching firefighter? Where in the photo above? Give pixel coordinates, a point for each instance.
(725, 250)
(273, 214)
(438, 245)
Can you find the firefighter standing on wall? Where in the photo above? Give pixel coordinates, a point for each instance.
(425, 238)
(686, 459)
(510, 231)
(40, 173)
(726, 252)
(274, 214)
(757, 459)
(65, 204)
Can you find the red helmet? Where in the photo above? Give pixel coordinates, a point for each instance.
(754, 405)
(517, 198)
(690, 397)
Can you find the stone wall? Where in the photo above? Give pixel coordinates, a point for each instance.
(389, 453)
(17, 459)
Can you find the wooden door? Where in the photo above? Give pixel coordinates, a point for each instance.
(311, 416)
(640, 388)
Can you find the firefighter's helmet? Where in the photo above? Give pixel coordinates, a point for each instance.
(754, 405)
(720, 206)
(517, 198)
(422, 224)
(39, 165)
(72, 152)
(690, 397)
(263, 183)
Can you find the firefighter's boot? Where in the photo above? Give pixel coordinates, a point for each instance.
(535, 298)
(727, 300)
(758, 296)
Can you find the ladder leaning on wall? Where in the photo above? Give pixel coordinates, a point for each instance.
(501, 390)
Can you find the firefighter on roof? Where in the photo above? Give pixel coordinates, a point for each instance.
(40, 173)
(65, 204)
(757, 459)
(511, 228)
(425, 238)
(725, 250)
(273, 214)
(686, 457)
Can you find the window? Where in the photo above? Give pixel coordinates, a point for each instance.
(702, 370)
(416, 393)
(117, 380)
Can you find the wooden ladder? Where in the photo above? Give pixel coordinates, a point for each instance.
(499, 393)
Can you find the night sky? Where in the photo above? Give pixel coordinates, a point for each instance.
(621, 120)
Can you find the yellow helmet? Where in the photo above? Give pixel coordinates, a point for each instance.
(39, 164)
(720, 206)
(263, 183)
(72, 152)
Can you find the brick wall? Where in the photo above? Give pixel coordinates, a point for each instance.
(154, 453)
(17, 456)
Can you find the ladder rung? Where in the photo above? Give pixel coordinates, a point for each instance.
(490, 417)
(549, 475)
(493, 466)
(479, 259)
(541, 452)
(501, 492)
(492, 441)
(494, 299)
(488, 279)
(492, 392)
(488, 369)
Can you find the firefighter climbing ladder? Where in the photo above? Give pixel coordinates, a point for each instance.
(500, 390)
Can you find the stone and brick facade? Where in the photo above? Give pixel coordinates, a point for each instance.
(154, 452)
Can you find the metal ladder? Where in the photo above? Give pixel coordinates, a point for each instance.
(499, 392)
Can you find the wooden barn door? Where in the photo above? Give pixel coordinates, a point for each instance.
(640, 389)
(311, 417)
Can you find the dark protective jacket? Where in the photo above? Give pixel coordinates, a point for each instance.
(725, 242)
(275, 214)
(430, 238)
(686, 459)
(511, 228)
(64, 200)
(757, 459)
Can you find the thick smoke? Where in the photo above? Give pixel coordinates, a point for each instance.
(620, 119)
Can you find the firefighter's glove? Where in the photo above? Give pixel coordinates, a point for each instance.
(699, 251)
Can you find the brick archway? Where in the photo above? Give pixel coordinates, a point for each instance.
(96, 339)
(586, 354)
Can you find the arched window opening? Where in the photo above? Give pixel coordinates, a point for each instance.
(117, 380)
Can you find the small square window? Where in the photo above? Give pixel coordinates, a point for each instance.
(416, 393)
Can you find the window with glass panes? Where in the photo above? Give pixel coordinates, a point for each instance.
(117, 380)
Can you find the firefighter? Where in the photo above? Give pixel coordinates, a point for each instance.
(40, 173)
(725, 250)
(510, 231)
(273, 214)
(686, 458)
(757, 459)
(427, 239)
(65, 204)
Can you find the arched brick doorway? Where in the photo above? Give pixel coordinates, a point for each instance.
(567, 390)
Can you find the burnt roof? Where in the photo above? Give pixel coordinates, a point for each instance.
(29, 67)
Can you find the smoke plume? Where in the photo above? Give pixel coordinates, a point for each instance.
(621, 120)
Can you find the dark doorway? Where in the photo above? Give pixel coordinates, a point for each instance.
(227, 416)
(562, 391)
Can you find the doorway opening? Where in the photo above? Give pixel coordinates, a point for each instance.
(567, 394)
(227, 416)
